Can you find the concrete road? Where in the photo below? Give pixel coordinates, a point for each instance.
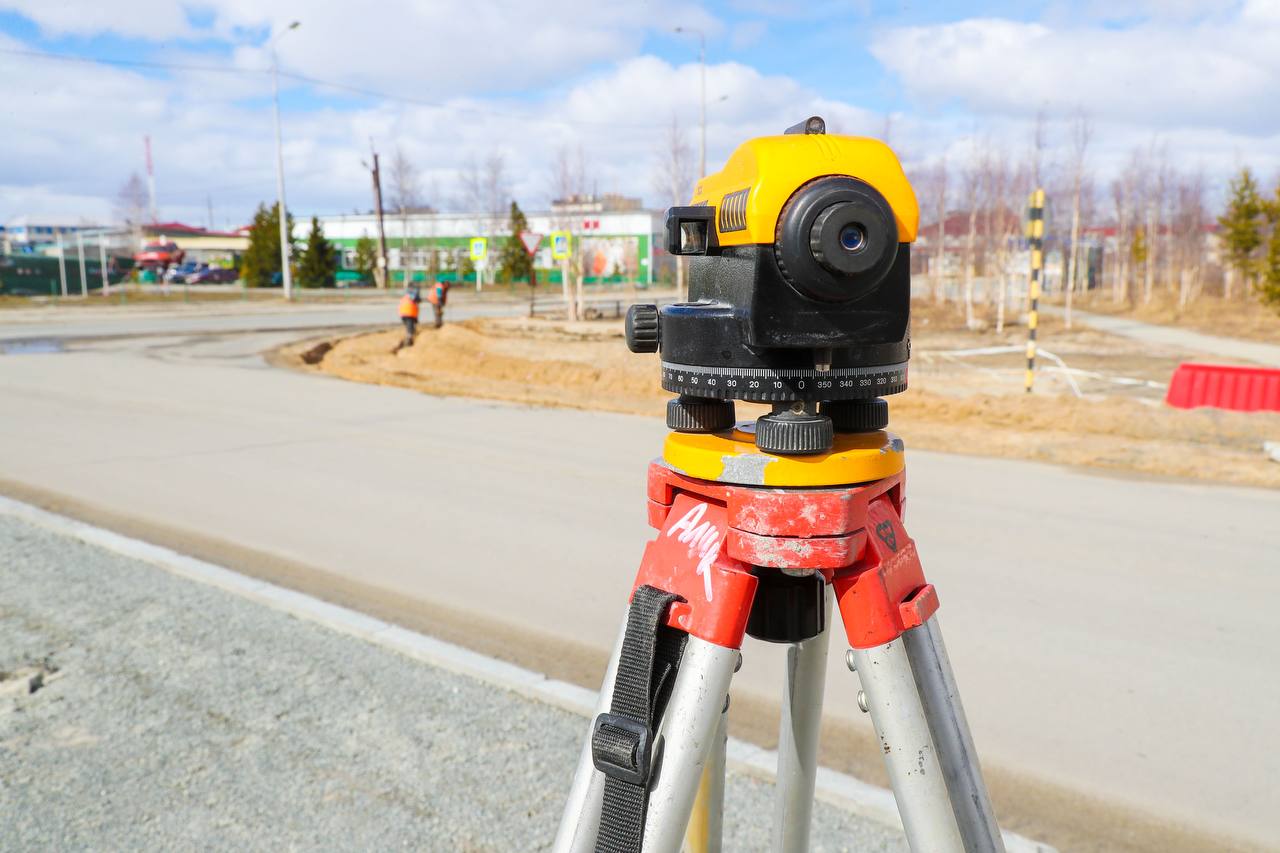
(1115, 636)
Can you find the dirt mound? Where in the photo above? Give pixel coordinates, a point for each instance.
(974, 407)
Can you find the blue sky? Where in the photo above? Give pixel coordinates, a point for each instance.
(1185, 82)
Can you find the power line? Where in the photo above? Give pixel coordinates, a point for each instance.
(131, 63)
(329, 84)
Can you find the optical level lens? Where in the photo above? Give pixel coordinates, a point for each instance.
(853, 237)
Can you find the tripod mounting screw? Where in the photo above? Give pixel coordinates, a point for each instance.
(794, 433)
(642, 328)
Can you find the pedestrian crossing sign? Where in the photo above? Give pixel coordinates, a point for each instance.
(560, 245)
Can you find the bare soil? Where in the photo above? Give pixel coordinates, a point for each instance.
(958, 402)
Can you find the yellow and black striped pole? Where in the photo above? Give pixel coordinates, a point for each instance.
(1035, 233)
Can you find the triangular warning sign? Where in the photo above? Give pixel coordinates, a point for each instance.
(530, 240)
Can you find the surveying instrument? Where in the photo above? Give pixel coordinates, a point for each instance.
(800, 291)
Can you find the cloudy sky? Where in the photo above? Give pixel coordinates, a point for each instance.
(448, 81)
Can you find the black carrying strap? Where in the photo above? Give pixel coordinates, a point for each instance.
(622, 740)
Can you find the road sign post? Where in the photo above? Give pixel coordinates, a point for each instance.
(561, 250)
(531, 242)
(479, 251)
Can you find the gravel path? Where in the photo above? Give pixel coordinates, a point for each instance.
(1178, 338)
(171, 716)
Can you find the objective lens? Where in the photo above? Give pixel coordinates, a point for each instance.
(853, 237)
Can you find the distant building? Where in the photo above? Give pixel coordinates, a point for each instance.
(615, 233)
(199, 244)
(591, 203)
(28, 231)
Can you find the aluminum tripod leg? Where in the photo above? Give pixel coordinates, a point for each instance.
(950, 732)
(684, 743)
(685, 739)
(706, 825)
(898, 714)
(798, 739)
(580, 821)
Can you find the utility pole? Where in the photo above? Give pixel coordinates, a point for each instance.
(84, 278)
(286, 275)
(151, 179)
(702, 108)
(380, 274)
(102, 263)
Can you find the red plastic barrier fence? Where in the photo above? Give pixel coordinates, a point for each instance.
(1225, 386)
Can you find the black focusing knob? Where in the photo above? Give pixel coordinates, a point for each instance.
(699, 414)
(642, 328)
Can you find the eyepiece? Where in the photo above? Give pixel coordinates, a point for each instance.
(836, 239)
(853, 238)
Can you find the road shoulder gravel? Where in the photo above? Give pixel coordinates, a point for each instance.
(169, 714)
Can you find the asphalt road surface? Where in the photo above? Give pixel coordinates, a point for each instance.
(1113, 636)
(175, 716)
(205, 318)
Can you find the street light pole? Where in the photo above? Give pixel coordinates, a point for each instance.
(702, 111)
(286, 275)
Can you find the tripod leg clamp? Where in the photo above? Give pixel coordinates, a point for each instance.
(622, 748)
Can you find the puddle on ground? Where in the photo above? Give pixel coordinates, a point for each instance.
(37, 346)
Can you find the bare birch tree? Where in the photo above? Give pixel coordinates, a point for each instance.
(405, 198)
(1081, 133)
(1187, 224)
(131, 204)
(496, 186)
(973, 187)
(674, 178)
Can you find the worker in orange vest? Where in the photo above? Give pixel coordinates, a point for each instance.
(409, 313)
(438, 296)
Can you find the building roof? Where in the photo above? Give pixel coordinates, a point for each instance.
(173, 229)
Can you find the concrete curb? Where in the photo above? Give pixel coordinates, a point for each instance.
(838, 789)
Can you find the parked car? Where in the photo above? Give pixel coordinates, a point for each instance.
(181, 273)
(213, 275)
(159, 254)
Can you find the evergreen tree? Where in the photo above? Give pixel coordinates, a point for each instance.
(1269, 286)
(1138, 249)
(1241, 235)
(261, 263)
(515, 260)
(366, 257)
(317, 264)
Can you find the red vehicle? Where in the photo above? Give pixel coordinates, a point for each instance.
(159, 254)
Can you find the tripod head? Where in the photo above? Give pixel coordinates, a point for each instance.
(799, 295)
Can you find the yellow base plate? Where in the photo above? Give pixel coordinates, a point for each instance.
(734, 458)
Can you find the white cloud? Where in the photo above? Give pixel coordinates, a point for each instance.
(1214, 73)
(207, 140)
(433, 47)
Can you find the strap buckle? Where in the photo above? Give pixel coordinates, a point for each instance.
(622, 748)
